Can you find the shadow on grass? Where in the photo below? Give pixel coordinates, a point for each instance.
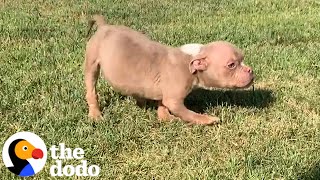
(311, 174)
(199, 100)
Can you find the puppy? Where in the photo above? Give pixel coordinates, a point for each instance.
(136, 66)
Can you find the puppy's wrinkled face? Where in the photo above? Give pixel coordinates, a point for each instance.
(220, 65)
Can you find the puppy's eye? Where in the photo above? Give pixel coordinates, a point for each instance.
(232, 65)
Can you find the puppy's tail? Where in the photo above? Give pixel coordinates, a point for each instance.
(96, 19)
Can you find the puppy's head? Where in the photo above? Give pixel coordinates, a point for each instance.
(220, 64)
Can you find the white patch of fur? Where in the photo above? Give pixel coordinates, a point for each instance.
(191, 49)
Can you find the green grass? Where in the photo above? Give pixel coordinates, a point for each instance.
(271, 134)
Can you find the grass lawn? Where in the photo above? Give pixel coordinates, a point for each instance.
(271, 134)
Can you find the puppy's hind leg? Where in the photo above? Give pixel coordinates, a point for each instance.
(91, 74)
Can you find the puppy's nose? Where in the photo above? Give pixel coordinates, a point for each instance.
(248, 69)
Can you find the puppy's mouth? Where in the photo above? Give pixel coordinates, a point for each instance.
(247, 85)
(250, 83)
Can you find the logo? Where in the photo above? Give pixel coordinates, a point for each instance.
(24, 154)
(62, 153)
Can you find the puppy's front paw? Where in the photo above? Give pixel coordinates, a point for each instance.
(166, 117)
(208, 120)
(164, 114)
(213, 120)
(95, 114)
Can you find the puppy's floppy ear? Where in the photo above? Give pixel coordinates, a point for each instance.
(198, 63)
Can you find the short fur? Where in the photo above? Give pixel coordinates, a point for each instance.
(136, 66)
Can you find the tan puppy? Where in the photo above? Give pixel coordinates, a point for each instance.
(136, 66)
